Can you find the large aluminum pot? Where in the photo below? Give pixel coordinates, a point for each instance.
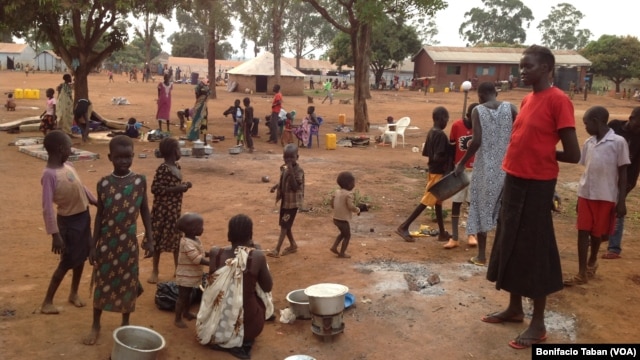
(326, 299)
(136, 343)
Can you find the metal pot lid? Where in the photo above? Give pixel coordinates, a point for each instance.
(326, 290)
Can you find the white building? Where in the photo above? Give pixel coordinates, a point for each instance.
(12, 54)
(49, 61)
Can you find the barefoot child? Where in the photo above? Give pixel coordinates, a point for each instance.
(70, 230)
(188, 269)
(48, 117)
(167, 189)
(438, 149)
(601, 190)
(122, 197)
(343, 205)
(291, 196)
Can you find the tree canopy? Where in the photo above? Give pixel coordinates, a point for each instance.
(614, 57)
(560, 29)
(500, 21)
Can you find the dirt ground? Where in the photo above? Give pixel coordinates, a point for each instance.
(397, 314)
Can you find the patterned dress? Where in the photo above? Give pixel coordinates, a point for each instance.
(166, 209)
(488, 176)
(116, 276)
(64, 108)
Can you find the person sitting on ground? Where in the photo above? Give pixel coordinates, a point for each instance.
(132, 129)
(234, 308)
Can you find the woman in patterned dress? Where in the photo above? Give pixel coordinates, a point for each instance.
(200, 112)
(122, 196)
(167, 189)
(64, 106)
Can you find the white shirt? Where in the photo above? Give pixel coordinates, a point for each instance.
(602, 160)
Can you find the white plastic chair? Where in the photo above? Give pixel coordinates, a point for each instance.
(400, 126)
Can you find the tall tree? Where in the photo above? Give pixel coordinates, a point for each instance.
(150, 13)
(82, 33)
(392, 41)
(560, 29)
(614, 57)
(500, 21)
(306, 31)
(357, 19)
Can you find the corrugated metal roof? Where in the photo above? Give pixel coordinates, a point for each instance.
(50, 52)
(263, 65)
(496, 55)
(11, 48)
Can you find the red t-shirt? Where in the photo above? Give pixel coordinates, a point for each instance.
(276, 105)
(531, 153)
(460, 135)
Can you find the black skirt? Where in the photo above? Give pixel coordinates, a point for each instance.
(525, 259)
(75, 231)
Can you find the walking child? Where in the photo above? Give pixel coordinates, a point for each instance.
(167, 189)
(290, 193)
(601, 190)
(122, 197)
(236, 114)
(70, 229)
(343, 204)
(439, 151)
(48, 117)
(188, 269)
(247, 123)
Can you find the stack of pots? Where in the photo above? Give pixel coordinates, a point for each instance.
(198, 149)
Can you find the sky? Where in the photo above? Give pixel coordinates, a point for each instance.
(600, 17)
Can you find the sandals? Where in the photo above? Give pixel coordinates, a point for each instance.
(591, 271)
(474, 260)
(289, 250)
(405, 236)
(576, 280)
(611, 256)
(273, 254)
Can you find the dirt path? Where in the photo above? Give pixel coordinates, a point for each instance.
(397, 313)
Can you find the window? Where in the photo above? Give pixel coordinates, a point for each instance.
(485, 70)
(453, 70)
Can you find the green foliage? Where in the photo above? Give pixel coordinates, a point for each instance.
(193, 38)
(358, 198)
(305, 30)
(133, 53)
(559, 30)
(614, 57)
(500, 21)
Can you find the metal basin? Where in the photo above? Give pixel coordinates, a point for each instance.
(136, 343)
(299, 304)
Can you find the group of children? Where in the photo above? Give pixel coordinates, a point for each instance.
(121, 199)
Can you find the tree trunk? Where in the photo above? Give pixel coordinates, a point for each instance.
(211, 52)
(360, 41)
(81, 82)
(277, 36)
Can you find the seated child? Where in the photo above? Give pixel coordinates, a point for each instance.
(11, 103)
(132, 129)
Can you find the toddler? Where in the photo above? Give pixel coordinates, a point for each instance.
(343, 205)
(48, 117)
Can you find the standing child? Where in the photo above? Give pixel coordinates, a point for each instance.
(167, 189)
(601, 190)
(438, 149)
(276, 106)
(247, 123)
(236, 114)
(70, 230)
(164, 101)
(290, 193)
(48, 117)
(343, 205)
(122, 196)
(188, 269)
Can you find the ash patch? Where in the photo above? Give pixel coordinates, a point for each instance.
(425, 279)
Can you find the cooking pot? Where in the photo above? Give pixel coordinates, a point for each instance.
(299, 304)
(326, 299)
(136, 343)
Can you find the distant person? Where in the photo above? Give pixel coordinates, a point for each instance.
(439, 152)
(10, 105)
(276, 106)
(290, 193)
(70, 228)
(327, 90)
(343, 204)
(64, 105)
(524, 259)
(247, 124)
(630, 130)
(601, 190)
(48, 116)
(116, 284)
(164, 102)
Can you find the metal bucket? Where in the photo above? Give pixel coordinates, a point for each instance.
(449, 185)
(326, 299)
(136, 343)
(299, 304)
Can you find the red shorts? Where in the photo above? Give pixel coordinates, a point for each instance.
(596, 216)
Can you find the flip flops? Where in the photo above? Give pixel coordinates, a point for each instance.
(405, 236)
(273, 254)
(495, 319)
(576, 280)
(289, 250)
(531, 341)
(591, 271)
(474, 260)
(611, 256)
